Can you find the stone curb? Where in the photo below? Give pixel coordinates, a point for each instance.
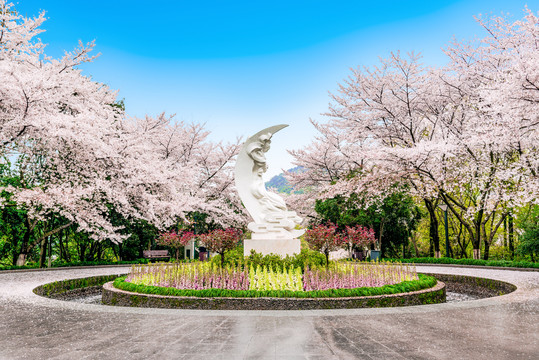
(117, 297)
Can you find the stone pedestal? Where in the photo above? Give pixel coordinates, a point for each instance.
(280, 247)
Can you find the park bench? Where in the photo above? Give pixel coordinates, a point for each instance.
(155, 254)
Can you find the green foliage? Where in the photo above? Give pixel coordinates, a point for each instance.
(394, 216)
(141, 236)
(529, 240)
(306, 257)
(59, 264)
(199, 223)
(424, 282)
(478, 262)
(12, 218)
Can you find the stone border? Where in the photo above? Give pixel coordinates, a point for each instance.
(117, 297)
(68, 289)
(477, 286)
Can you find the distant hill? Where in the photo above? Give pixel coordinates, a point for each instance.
(280, 183)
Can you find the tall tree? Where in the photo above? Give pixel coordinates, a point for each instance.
(79, 158)
(466, 134)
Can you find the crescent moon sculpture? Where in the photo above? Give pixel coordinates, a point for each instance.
(273, 229)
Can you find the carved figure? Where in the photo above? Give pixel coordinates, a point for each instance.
(268, 210)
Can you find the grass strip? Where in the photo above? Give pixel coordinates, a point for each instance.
(78, 263)
(424, 282)
(478, 262)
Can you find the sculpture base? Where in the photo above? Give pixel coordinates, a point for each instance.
(280, 247)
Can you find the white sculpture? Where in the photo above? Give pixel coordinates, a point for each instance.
(273, 229)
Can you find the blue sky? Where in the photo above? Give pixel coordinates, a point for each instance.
(242, 66)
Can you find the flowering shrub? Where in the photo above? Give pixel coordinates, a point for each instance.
(356, 275)
(175, 240)
(206, 275)
(359, 236)
(195, 276)
(324, 238)
(220, 241)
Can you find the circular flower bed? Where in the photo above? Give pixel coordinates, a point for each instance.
(206, 285)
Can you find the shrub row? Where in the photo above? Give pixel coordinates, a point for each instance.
(479, 262)
(78, 263)
(306, 257)
(424, 282)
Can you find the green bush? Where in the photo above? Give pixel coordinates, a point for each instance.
(78, 263)
(306, 257)
(424, 282)
(478, 262)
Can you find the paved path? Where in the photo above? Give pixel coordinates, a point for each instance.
(33, 327)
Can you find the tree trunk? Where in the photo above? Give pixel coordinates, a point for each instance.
(381, 233)
(99, 251)
(82, 251)
(414, 243)
(64, 248)
(462, 244)
(434, 236)
(326, 252)
(21, 259)
(487, 248)
(222, 259)
(477, 254)
(42, 253)
(61, 250)
(511, 236)
(505, 234)
(476, 243)
(120, 248)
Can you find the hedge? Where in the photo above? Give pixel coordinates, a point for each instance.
(424, 282)
(477, 262)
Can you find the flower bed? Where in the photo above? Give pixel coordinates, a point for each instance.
(426, 290)
(209, 286)
(424, 282)
(203, 276)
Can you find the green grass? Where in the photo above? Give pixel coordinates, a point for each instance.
(78, 263)
(424, 282)
(445, 260)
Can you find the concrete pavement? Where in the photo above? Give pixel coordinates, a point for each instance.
(33, 327)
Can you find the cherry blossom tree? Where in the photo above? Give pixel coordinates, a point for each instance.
(466, 134)
(194, 173)
(55, 125)
(78, 156)
(221, 241)
(498, 85)
(175, 240)
(379, 117)
(359, 236)
(324, 238)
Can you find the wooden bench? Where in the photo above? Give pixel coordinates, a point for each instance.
(155, 254)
